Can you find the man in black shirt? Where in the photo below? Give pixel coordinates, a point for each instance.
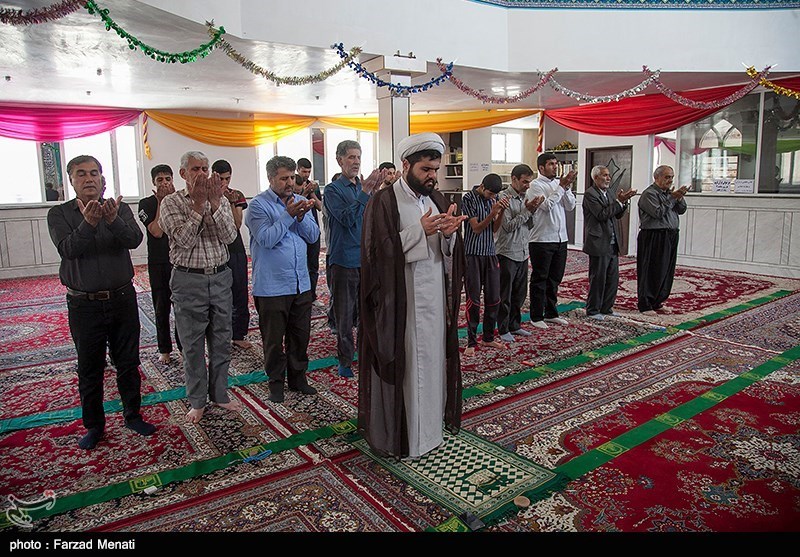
(93, 236)
(159, 268)
(310, 190)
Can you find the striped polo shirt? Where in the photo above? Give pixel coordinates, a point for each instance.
(475, 205)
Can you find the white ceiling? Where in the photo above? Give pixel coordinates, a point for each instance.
(74, 60)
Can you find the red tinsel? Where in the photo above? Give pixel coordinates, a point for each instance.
(41, 15)
(698, 105)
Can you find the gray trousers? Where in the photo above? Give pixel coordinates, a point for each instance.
(203, 314)
(603, 283)
(513, 291)
(344, 288)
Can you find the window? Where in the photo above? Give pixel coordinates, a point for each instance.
(46, 163)
(507, 146)
(750, 146)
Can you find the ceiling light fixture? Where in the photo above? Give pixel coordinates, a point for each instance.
(99, 71)
(8, 78)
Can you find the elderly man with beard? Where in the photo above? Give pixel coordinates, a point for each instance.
(412, 262)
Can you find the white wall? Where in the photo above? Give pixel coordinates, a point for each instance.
(477, 151)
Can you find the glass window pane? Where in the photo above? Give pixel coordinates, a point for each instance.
(712, 164)
(296, 146)
(780, 145)
(51, 165)
(98, 146)
(21, 155)
(265, 152)
(513, 147)
(499, 147)
(367, 141)
(128, 163)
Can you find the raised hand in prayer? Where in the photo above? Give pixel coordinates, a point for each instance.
(215, 190)
(451, 222)
(92, 212)
(298, 208)
(431, 224)
(566, 181)
(678, 193)
(163, 190)
(532, 204)
(624, 196)
(373, 181)
(199, 193)
(110, 209)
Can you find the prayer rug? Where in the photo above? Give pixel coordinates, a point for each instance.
(732, 467)
(31, 291)
(467, 474)
(317, 499)
(695, 291)
(775, 325)
(578, 262)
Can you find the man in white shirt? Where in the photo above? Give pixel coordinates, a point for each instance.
(548, 245)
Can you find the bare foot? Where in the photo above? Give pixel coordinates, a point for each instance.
(469, 351)
(164, 358)
(194, 415)
(233, 405)
(492, 344)
(243, 344)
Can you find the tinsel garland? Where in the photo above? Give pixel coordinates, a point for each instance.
(751, 71)
(583, 97)
(489, 99)
(160, 55)
(41, 15)
(396, 89)
(698, 105)
(254, 68)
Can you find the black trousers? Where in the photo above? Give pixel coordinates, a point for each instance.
(159, 274)
(656, 256)
(482, 273)
(603, 283)
(285, 319)
(344, 288)
(95, 324)
(241, 312)
(548, 261)
(513, 290)
(312, 256)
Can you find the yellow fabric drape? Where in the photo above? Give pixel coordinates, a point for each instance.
(232, 133)
(442, 122)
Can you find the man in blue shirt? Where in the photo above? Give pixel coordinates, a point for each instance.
(344, 202)
(279, 236)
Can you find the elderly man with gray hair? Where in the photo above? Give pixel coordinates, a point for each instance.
(200, 225)
(602, 234)
(657, 243)
(280, 233)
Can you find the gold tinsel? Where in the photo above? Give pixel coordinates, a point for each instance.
(751, 71)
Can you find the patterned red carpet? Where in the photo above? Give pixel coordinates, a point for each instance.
(731, 468)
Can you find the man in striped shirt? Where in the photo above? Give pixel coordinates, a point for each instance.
(200, 225)
(484, 217)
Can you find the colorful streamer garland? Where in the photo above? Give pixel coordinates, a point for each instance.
(255, 69)
(160, 55)
(751, 71)
(41, 15)
(489, 99)
(396, 89)
(583, 97)
(699, 105)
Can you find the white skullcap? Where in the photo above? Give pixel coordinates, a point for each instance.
(419, 142)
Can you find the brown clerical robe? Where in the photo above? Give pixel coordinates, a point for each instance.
(382, 418)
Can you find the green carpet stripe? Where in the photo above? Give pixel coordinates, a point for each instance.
(562, 308)
(192, 470)
(590, 460)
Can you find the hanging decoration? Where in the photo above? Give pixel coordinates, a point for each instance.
(41, 15)
(147, 151)
(396, 89)
(699, 105)
(751, 71)
(583, 97)
(489, 99)
(161, 56)
(254, 68)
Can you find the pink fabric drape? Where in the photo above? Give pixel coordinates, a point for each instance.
(669, 143)
(56, 123)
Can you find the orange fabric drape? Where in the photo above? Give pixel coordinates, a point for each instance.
(232, 133)
(442, 122)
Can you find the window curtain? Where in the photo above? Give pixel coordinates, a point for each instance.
(232, 133)
(647, 114)
(56, 123)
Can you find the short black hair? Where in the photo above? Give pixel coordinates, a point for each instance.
(521, 170)
(492, 182)
(221, 167)
(160, 169)
(431, 154)
(303, 163)
(387, 165)
(544, 157)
